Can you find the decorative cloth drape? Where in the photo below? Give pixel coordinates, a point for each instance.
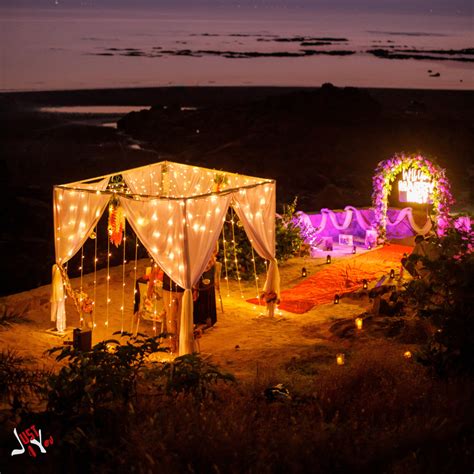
(256, 208)
(180, 235)
(58, 309)
(362, 219)
(177, 212)
(76, 213)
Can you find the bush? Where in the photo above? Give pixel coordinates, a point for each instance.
(190, 374)
(446, 298)
(92, 379)
(18, 385)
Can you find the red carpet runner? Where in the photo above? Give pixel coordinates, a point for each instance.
(340, 277)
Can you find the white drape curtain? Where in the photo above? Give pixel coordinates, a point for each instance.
(76, 213)
(159, 225)
(180, 235)
(256, 208)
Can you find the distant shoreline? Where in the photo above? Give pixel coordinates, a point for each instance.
(141, 95)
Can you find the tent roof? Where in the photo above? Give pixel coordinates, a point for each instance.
(170, 180)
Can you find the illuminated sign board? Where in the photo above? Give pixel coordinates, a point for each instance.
(415, 186)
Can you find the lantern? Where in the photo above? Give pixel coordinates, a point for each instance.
(407, 355)
(392, 274)
(354, 249)
(304, 273)
(328, 259)
(365, 285)
(336, 299)
(340, 359)
(358, 322)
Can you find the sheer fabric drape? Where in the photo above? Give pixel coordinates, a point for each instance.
(180, 235)
(256, 209)
(76, 213)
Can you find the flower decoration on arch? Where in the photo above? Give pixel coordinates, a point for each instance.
(385, 174)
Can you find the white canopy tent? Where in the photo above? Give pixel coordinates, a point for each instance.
(177, 211)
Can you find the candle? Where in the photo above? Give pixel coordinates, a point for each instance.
(336, 299)
(304, 273)
(340, 359)
(328, 259)
(365, 285)
(359, 323)
(407, 355)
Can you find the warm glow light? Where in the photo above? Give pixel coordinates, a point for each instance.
(340, 359)
(358, 323)
(407, 355)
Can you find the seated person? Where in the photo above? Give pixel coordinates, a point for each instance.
(204, 311)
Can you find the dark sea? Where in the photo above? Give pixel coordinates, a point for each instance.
(89, 48)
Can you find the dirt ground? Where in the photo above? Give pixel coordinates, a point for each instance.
(243, 342)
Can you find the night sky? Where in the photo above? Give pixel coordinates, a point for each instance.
(451, 7)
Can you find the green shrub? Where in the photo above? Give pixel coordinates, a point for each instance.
(19, 385)
(190, 374)
(108, 373)
(446, 298)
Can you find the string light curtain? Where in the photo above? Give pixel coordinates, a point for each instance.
(76, 213)
(256, 209)
(177, 211)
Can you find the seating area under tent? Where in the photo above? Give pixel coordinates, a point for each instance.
(177, 212)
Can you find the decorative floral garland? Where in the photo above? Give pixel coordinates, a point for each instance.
(116, 223)
(385, 174)
(220, 181)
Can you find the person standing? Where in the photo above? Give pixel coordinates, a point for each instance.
(204, 310)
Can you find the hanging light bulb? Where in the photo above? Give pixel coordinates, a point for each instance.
(304, 273)
(328, 259)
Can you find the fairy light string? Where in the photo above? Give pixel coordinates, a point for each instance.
(95, 279)
(81, 268)
(255, 272)
(134, 280)
(225, 259)
(107, 286)
(235, 253)
(124, 261)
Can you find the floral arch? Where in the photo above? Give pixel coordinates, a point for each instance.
(385, 174)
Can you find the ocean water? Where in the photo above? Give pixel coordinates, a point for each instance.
(77, 49)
